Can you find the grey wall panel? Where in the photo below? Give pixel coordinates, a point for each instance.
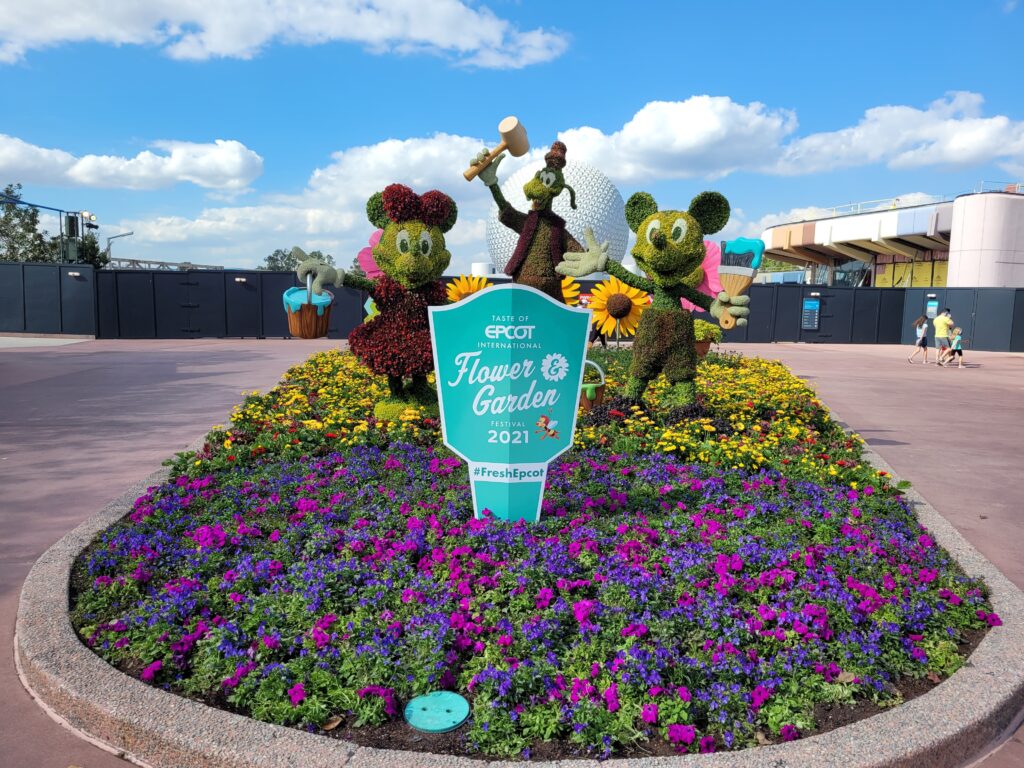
(867, 304)
(761, 323)
(12, 298)
(242, 304)
(106, 304)
(272, 286)
(993, 320)
(787, 312)
(347, 312)
(961, 302)
(42, 298)
(207, 315)
(1017, 332)
(836, 314)
(171, 305)
(78, 299)
(915, 305)
(890, 315)
(136, 315)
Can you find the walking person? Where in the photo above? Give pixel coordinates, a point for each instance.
(956, 348)
(921, 345)
(943, 323)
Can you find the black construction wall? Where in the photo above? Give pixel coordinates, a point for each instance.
(140, 304)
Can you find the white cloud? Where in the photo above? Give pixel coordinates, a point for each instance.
(950, 132)
(228, 166)
(702, 136)
(203, 29)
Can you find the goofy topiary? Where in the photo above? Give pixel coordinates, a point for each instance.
(543, 238)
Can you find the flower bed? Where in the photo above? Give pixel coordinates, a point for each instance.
(324, 582)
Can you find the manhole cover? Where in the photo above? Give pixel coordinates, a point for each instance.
(437, 712)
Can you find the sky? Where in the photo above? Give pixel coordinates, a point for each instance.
(220, 130)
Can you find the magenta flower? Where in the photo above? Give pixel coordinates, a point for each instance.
(684, 693)
(271, 642)
(707, 744)
(504, 641)
(583, 609)
(151, 669)
(544, 597)
(649, 713)
(297, 693)
(759, 696)
(611, 698)
(387, 694)
(789, 732)
(684, 734)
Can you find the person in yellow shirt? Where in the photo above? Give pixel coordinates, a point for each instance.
(943, 323)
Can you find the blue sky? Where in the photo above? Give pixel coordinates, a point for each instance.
(783, 107)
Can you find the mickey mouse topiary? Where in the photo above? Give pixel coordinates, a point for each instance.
(669, 249)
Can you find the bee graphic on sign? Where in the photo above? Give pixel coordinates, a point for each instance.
(546, 428)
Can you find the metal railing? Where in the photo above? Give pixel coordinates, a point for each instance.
(1014, 187)
(886, 204)
(166, 266)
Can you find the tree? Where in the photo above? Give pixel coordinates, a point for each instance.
(20, 237)
(89, 252)
(283, 261)
(357, 268)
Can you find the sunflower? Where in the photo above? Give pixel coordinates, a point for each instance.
(614, 303)
(463, 286)
(570, 291)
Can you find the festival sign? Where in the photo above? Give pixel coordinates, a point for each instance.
(509, 366)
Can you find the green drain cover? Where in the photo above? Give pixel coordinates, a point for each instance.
(437, 712)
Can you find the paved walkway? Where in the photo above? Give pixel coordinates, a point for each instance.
(79, 423)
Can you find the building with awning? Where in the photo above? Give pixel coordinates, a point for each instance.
(973, 240)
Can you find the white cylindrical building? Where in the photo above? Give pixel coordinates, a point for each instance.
(986, 244)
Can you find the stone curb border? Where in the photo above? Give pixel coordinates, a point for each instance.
(956, 723)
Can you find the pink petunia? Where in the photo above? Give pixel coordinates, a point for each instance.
(649, 713)
(297, 693)
(150, 670)
(681, 734)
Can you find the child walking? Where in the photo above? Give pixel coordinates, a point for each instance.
(956, 348)
(921, 345)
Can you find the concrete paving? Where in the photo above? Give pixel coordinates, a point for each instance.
(80, 423)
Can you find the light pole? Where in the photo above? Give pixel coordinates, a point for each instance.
(114, 237)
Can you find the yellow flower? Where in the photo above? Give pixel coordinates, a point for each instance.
(570, 291)
(464, 286)
(615, 302)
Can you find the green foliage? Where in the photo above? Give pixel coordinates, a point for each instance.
(89, 252)
(356, 269)
(412, 253)
(705, 331)
(375, 211)
(288, 261)
(639, 206)
(711, 210)
(20, 236)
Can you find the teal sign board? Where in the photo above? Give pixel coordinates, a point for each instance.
(509, 366)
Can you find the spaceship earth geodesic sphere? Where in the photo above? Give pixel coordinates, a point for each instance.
(598, 206)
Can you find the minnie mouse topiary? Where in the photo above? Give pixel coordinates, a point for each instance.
(412, 255)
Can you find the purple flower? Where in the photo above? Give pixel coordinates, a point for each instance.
(707, 744)
(611, 698)
(649, 713)
(150, 670)
(684, 734)
(297, 693)
(789, 732)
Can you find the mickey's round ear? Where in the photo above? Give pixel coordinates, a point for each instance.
(639, 206)
(375, 211)
(711, 210)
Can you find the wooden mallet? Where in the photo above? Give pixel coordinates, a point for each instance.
(513, 138)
